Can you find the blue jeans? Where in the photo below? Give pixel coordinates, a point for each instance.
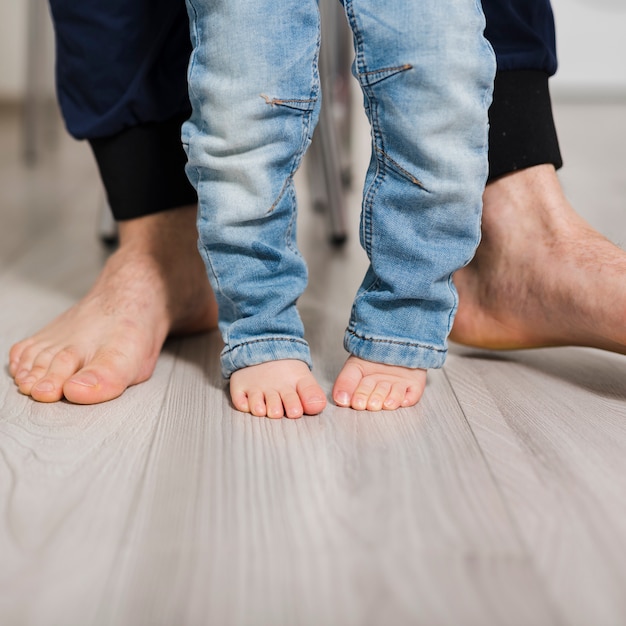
(426, 73)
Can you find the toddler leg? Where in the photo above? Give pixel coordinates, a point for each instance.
(254, 90)
(426, 73)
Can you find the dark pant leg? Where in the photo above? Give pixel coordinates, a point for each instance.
(522, 132)
(121, 82)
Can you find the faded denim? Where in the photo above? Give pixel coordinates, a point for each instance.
(426, 72)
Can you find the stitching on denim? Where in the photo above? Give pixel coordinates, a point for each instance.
(292, 225)
(395, 342)
(400, 169)
(287, 102)
(455, 306)
(385, 70)
(307, 115)
(384, 73)
(372, 107)
(270, 340)
(216, 277)
(218, 288)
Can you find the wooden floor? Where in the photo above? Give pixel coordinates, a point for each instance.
(500, 499)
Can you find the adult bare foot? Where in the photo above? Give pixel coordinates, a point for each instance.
(276, 389)
(364, 385)
(541, 276)
(153, 285)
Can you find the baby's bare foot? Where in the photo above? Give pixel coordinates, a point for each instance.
(364, 385)
(276, 389)
(153, 285)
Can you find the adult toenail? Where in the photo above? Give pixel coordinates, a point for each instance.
(342, 398)
(44, 385)
(86, 380)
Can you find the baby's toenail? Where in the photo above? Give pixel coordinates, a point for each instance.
(44, 385)
(342, 398)
(22, 374)
(86, 380)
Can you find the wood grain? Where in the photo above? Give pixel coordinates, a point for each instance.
(500, 499)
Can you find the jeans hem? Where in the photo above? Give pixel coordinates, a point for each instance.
(395, 351)
(262, 350)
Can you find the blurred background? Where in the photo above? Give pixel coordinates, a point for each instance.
(590, 35)
(592, 73)
(592, 47)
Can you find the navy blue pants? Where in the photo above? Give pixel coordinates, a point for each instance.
(121, 83)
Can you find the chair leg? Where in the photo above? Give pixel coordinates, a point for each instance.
(331, 168)
(326, 151)
(39, 115)
(31, 99)
(107, 227)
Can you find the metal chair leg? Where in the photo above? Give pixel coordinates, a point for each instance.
(107, 227)
(327, 164)
(39, 112)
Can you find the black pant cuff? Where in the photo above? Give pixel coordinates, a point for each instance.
(143, 169)
(522, 131)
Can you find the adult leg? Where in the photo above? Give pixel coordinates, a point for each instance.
(114, 59)
(507, 299)
(427, 75)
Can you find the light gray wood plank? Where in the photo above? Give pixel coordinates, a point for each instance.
(165, 506)
(69, 478)
(336, 519)
(552, 426)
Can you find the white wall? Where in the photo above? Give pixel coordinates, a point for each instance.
(591, 40)
(591, 45)
(12, 48)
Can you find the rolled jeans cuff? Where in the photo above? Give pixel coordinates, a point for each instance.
(521, 126)
(262, 350)
(143, 169)
(394, 352)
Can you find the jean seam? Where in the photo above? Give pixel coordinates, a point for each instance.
(361, 69)
(373, 77)
(291, 225)
(194, 37)
(306, 124)
(378, 147)
(389, 70)
(249, 342)
(395, 342)
(218, 288)
(402, 171)
(288, 101)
